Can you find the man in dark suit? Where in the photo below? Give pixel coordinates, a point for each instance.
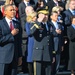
(10, 43)
(43, 44)
(57, 37)
(46, 2)
(67, 22)
(17, 2)
(69, 13)
(53, 3)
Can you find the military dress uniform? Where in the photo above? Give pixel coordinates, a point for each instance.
(43, 46)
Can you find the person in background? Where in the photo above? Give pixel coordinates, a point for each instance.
(57, 38)
(58, 10)
(31, 18)
(22, 16)
(71, 36)
(23, 12)
(54, 3)
(67, 4)
(17, 2)
(36, 1)
(67, 14)
(38, 5)
(10, 42)
(28, 10)
(46, 2)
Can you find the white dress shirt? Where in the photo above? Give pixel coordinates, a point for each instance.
(55, 24)
(26, 3)
(8, 21)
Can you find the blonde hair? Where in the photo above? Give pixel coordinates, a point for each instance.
(31, 16)
(67, 4)
(8, 2)
(56, 8)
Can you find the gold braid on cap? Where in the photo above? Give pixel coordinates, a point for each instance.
(43, 12)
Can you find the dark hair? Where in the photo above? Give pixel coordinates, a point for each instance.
(72, 17)
(54, 12)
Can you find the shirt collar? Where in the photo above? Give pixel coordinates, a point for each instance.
(8, 21)
(55, 1)
(44, 23)
(54, 22)
(26, 2)
(71, 10)
(73, 26)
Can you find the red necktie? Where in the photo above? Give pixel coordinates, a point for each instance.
(11, 26)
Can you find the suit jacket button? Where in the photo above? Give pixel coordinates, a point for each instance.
(47, 40)
(37, 48)
(48, 43)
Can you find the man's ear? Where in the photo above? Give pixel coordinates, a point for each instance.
(51, 17)
(5, 12)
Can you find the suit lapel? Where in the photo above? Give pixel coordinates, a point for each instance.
(6, 24)
(70, 12)
(15, 24)
(24, 4)
(52, 25)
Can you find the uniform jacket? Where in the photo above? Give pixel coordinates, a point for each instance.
(43, 43)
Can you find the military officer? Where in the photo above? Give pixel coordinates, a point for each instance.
(43, 43)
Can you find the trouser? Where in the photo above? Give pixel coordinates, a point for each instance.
(1, 69)
(42, 68)
(30, 68)
(57, 61)
(7, 69)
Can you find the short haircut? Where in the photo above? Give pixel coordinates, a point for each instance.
(6, 6)
(54, 12)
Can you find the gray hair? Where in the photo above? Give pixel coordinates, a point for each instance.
(6, 6)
